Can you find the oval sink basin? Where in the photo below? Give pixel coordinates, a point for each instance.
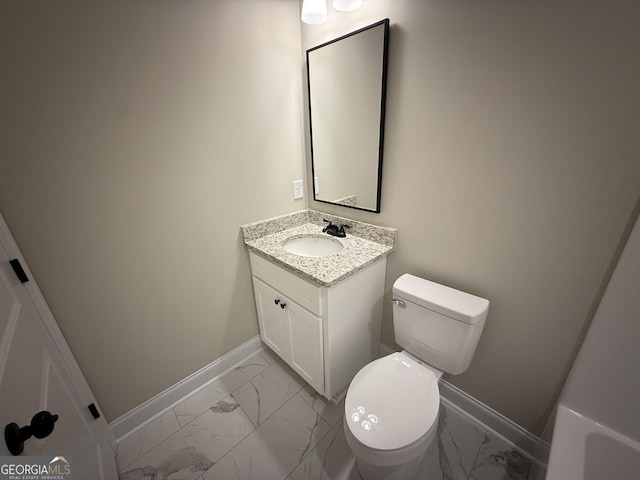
(312, 246)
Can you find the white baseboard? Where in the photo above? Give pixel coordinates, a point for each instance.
(493, 421)
(137, 418)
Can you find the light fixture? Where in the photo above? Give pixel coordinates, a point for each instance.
(314, 12)
(346, 5)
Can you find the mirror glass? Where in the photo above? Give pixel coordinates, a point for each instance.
(347, 83)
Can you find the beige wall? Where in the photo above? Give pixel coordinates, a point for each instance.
(135, 138)
(511, 169)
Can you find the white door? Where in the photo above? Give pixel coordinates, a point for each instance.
(37, 372)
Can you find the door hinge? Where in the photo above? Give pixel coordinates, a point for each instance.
(15, 264)
(94, 411)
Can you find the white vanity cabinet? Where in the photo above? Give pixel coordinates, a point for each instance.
(326, 334)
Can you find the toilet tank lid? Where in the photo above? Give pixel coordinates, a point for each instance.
(441, 299)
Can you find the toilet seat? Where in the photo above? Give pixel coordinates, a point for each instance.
(391, 410)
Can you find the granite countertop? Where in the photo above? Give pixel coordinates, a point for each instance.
(357, 252)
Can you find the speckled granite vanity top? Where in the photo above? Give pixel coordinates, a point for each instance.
(363, 245)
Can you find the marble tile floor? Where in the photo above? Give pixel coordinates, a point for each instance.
(261, 421)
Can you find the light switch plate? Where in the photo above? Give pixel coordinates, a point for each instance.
(297, 189)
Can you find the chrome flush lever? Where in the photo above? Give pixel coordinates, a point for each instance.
(399, 303)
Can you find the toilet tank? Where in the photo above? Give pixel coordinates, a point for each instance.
(438, 324)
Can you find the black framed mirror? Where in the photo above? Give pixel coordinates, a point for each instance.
(347, 81)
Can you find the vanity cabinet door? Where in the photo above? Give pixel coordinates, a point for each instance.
(291, 331)
(306, 345)
(274, 325)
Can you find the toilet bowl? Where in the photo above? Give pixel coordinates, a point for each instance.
(391, 415)
(392, 404)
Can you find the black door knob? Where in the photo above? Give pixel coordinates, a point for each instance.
(41, 426)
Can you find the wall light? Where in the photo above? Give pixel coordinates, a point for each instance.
(346, 5)
(314, 12)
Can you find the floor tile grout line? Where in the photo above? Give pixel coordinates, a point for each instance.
(188, 424)
(239, 442)
(124, 468)
(475, 458)
(258, 394)
(256, 428)
(175, 415)
(331, 427)
(526, 477)
(180, 426)
(216, 380)
(234, 446)
(311, 396)
(154, 447)
(512, 448)
(311, 450)
(311, 403)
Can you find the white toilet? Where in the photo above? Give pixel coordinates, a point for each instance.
(391, 407)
